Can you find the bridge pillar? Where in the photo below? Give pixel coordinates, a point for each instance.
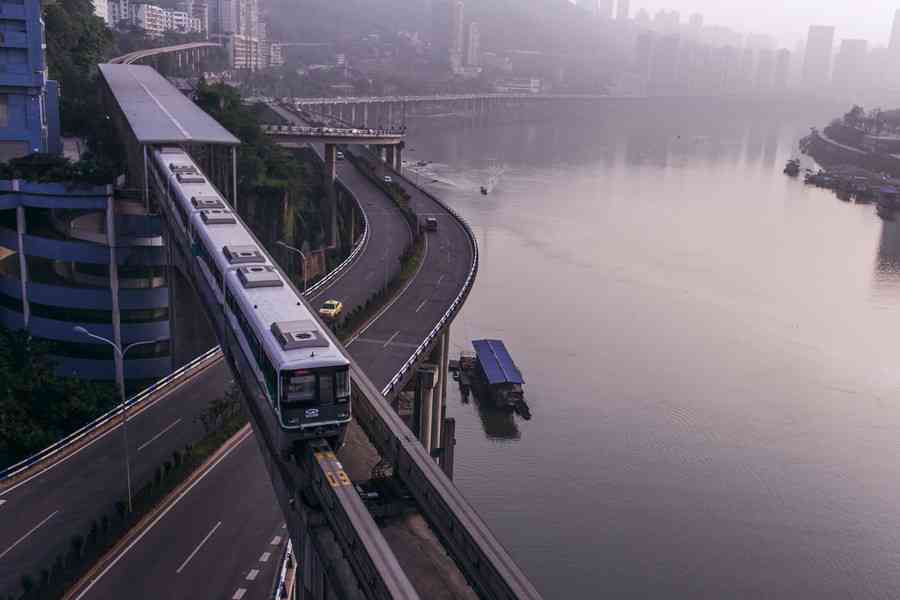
(398, 158)
(330, 177)
(389, 155)
(365, 108)
(426, 382)
(390, 114)
(437, 415)
(353, 114)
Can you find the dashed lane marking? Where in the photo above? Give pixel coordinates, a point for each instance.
(252, 574)
(265, 557)
(238, 594)
(424, 302)
(197, 549)
(275, 540)
(158, 435)
(28, 533)
(391, 339)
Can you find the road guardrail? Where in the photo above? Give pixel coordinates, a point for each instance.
(82, 432)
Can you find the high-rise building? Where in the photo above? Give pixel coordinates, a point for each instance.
(473, 46)
(850, 64)
(664, 75)
(101, 9)
(623, 7)
(605, 9)
(765, 70)
(894, 45)
(643, 55)
(782, 69)
(817, 60)
(457, 33)
(29, 117)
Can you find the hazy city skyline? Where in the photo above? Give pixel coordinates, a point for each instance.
(788, 22)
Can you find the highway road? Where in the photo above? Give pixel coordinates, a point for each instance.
(39, 516)
(33, 538)
(407, 320)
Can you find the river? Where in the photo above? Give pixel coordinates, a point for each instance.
(710, 350)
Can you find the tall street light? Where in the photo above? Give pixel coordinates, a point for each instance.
(120, 380)
(302, 256)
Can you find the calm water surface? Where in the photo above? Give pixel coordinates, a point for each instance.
(711, 351)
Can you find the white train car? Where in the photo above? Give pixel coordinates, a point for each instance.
(301, 374)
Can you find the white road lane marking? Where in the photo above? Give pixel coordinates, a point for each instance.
(143, 409)
(2, 502)
(265, 557)
(275, 540)
(158, 435)
(440, 279)
(252, 574)
(391, 339)
(28, 533)
(197, 549)
(424, 302)
(239, 594)
(162, 515)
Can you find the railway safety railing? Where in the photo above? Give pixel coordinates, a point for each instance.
(177, 375)
(454, 306)
(82, 432)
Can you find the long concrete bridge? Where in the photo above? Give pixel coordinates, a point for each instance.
(185, 55)
(342, 553)
(385, 111)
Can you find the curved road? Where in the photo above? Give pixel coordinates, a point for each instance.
(39, 515)
(225, 555)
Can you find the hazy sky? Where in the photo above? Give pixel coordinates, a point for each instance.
(789, 19)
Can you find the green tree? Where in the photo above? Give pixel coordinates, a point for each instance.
(38, 407)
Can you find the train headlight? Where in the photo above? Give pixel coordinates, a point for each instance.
(343, 414)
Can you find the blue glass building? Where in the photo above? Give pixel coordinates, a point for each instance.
(29, 115)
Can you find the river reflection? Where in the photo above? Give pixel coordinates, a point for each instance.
(710, 355)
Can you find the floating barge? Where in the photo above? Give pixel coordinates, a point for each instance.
(499, 377)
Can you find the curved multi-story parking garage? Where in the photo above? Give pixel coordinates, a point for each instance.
(71, 256)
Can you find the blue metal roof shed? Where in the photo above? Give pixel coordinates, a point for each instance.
(497, 364)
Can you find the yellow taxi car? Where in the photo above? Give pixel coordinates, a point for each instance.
(331, 310)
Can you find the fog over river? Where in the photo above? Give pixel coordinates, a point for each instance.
(710, 349)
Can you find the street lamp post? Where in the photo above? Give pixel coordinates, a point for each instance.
(120, 380)
(302, 257)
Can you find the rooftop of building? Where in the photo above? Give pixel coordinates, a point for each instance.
(157, 112)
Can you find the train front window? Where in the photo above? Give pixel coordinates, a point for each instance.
(326, 391)
(299, 387)
(298, 391)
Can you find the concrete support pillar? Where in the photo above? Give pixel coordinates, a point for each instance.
(114, 280)
(390, 114)
(426, 382)
(380, 150)
(353, 114)
(330, 178)
(448, 435)
(365, 108)
(437, 415)
(21, 230)
(398, 158)
(389, 155)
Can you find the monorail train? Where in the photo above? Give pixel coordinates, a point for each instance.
(303, 375)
